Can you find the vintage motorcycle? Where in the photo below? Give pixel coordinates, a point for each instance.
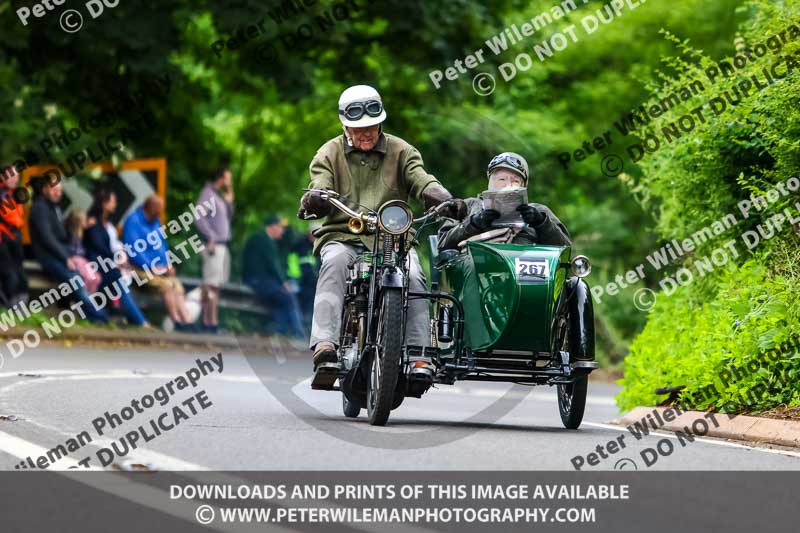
(500, 312)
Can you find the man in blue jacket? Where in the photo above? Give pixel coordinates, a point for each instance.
(147, 250)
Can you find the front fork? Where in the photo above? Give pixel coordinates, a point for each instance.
(385, 275)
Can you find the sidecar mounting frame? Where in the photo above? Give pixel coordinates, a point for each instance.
(465, 365)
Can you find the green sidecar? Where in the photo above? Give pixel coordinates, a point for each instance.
(515, 313)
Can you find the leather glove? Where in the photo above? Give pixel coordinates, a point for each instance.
(457, 209)
(531, 215)
(483, 220)
(433, 196)
(313, 204)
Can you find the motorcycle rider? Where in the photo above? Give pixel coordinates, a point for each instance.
(369, 167)
(505, 171)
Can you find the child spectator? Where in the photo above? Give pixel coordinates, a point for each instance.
(76, 224)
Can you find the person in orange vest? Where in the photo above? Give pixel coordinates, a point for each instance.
(13, 280)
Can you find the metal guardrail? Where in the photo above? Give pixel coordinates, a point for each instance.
(233, 296)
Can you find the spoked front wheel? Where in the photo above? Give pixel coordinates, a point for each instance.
(385, 364)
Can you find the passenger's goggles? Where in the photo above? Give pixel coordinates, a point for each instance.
(356, 110)
(507, 160)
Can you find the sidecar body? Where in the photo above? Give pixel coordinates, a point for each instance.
(508, 292)
(526, 317)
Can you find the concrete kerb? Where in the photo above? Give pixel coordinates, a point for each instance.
(740, 427)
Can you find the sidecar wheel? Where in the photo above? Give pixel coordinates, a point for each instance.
(572, 402)
(350, 408)
(385, 364)
(570, 337)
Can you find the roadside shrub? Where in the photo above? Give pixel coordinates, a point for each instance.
(739, 314)
(698, 333)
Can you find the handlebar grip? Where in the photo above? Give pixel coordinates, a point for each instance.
(302, 214)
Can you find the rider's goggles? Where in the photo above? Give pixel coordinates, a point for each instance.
(356, 110)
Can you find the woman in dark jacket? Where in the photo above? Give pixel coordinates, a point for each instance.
(97, 243)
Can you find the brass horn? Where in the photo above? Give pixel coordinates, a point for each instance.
(356, 225)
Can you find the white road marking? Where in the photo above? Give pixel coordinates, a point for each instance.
(718, 442)
(140, 455)
(120, 374)
(22, 449)
(122, 487)
(42, 372)
(159, 499)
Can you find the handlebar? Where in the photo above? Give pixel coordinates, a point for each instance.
(371, 217)
(434, 212)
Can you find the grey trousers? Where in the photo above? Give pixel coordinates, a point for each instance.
(329, 299)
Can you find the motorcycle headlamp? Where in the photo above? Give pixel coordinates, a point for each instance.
(395, 217)
(581, 266)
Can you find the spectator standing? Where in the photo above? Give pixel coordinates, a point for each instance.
(50, 243)
(98, 246)
(76, 224)
(287, 258)
(216, 233)
(303, 267)
(13, 280)
(263, 271)
(147, 250)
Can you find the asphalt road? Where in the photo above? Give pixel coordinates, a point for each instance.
(279, 423)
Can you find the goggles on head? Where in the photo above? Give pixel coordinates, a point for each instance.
(356, 110)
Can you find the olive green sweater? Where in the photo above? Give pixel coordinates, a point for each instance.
(393, 170)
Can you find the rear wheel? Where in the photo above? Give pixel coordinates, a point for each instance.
(351, 408)
(571, 396)
(353, 336)
(385, 364)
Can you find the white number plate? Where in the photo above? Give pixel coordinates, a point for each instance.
(532, 269)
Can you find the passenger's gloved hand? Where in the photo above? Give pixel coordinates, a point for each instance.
(313, 204)
(531, 215)
(483, 220)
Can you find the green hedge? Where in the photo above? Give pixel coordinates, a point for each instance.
(749, 310)
(712, 333)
